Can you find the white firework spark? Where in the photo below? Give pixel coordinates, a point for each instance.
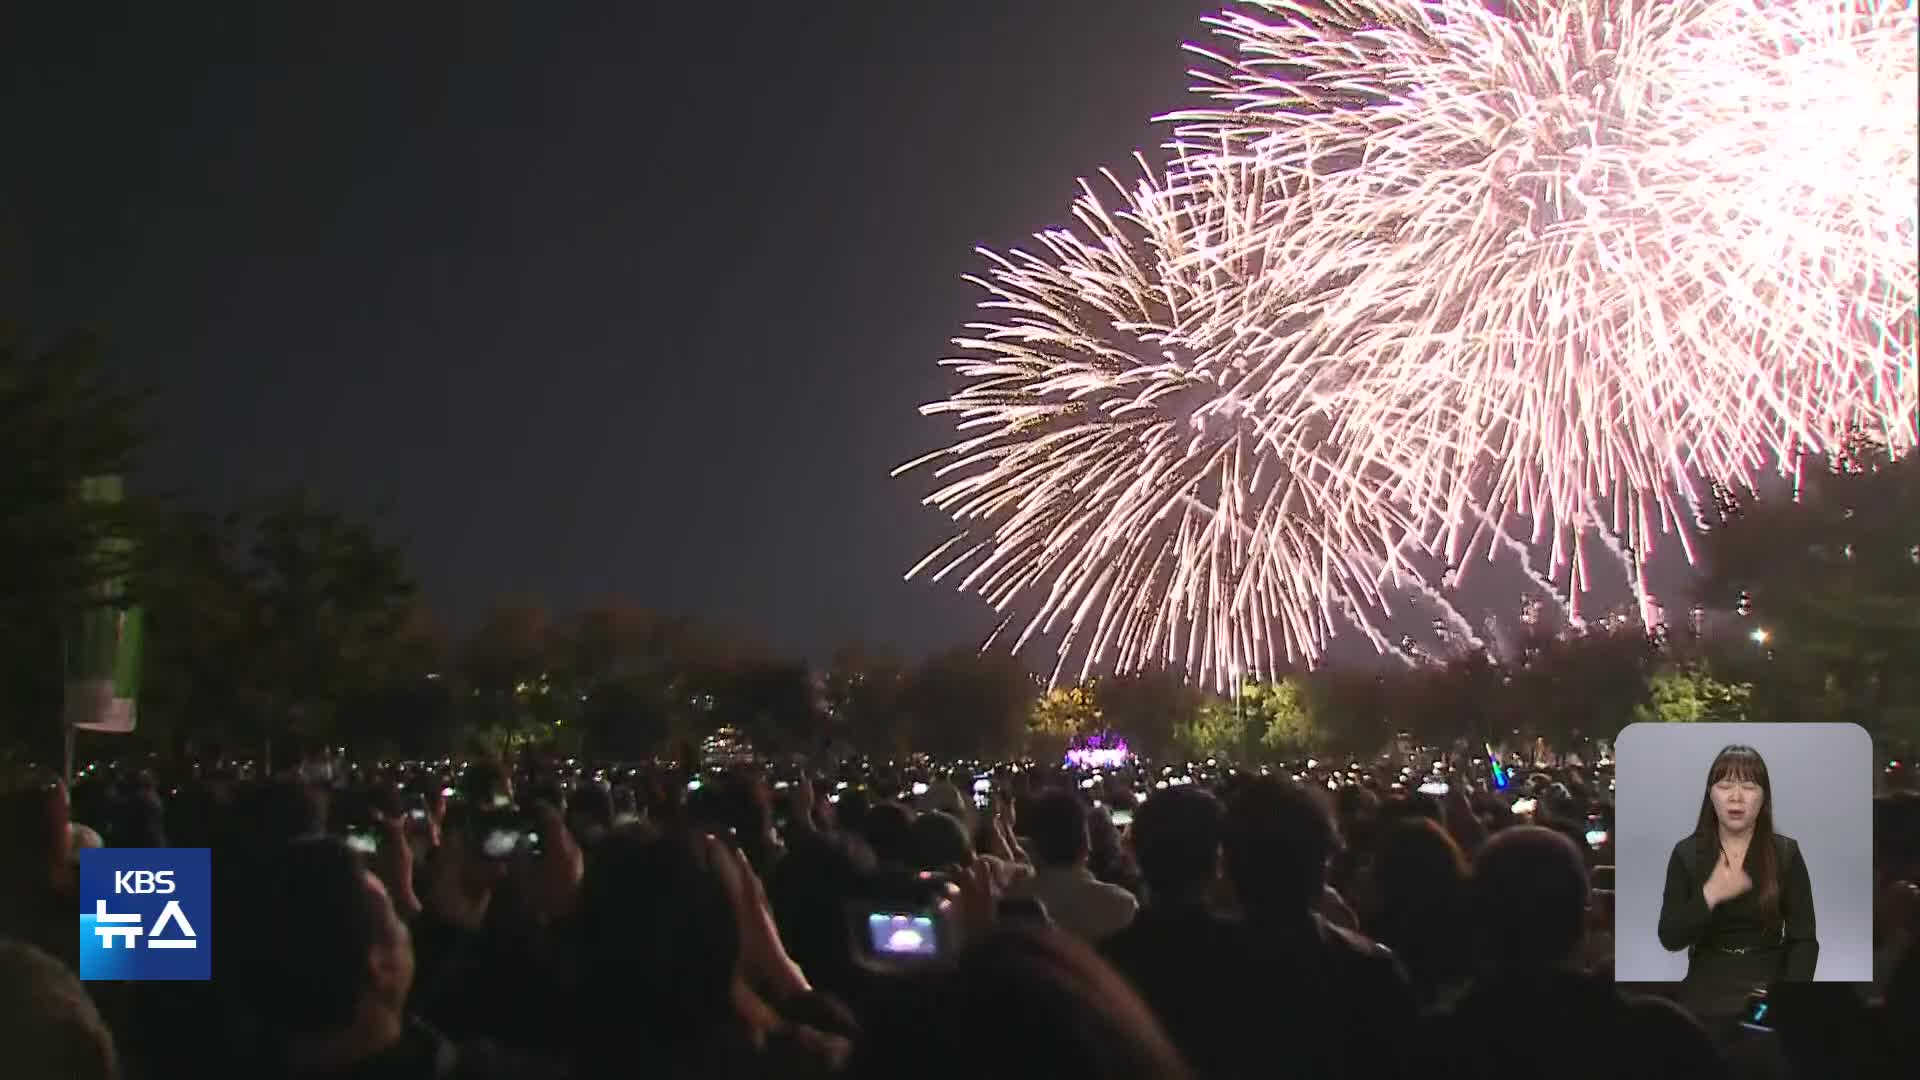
(1595, 254)
(1147, 464)
(1420, 270)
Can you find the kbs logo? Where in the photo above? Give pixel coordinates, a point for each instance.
(146, 914)
(143, 881)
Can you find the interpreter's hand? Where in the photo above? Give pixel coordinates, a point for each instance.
(552, 880)
(1726, 882)
(393, 865)
(460, 883)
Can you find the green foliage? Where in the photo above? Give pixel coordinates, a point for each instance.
(1685, 695)
(1216, 729)
(63, 420)
(1285, 722)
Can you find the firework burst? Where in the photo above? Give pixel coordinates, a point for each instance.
(1423, 280)
(1140, 466)
(1595, 255)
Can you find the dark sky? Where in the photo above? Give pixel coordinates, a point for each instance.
(603, 298)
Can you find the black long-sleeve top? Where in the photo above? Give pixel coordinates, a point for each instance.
(1686, 922)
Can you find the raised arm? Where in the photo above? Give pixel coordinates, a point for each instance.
(1796, 909)
(1683, 907)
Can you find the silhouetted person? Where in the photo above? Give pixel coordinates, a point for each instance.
(1108, 858)
(1079, 903)
(1021, 1004)
(49, 1029)
(941, 841)
(674, 953)
(326, 964)
(1301, 983)
(888, 828)
(38, 886)
(1528, 898)
(1175, 945)
(1419, 909)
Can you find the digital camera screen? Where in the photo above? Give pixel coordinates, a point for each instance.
(902, 935)
(363, 842)
(500, 843)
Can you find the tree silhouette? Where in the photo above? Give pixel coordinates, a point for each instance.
(1148, 708)
(963, 704)
(63, 420)
(863, 691)
(1829, 585)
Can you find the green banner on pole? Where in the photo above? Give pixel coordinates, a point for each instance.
(103, 644)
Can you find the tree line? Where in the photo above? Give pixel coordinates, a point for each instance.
(287, 621)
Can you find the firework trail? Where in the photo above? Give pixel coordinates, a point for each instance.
(1419, 269)
(1523, 557)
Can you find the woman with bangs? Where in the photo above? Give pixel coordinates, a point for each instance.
(1738, 897)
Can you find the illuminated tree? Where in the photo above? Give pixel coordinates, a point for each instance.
(1216, 729)
(1283, 716)
(1060, 716)
(1685, 694)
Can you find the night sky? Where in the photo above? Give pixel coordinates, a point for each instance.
(599, 299)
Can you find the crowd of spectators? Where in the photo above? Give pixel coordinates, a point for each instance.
(1252, 926)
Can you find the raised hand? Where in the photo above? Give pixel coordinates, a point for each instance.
(460, 885)
(393, 864)
(764, 959)
(553, 878)
(977, 905)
